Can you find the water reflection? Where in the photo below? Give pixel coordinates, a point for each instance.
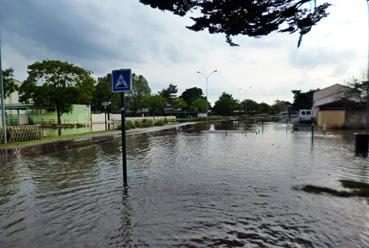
(64, 170)
(231, 185)
(8, 183)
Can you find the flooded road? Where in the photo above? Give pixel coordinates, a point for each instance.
(196, 188)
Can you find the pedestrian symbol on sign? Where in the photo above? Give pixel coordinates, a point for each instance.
(121, 83)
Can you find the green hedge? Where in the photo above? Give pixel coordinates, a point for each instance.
(130, 124)
(145, 123)
(161, 122)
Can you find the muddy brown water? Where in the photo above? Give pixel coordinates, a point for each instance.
(203, 187)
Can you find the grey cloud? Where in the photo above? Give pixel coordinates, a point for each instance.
(55, 26)
(96, 35)
(309, 59)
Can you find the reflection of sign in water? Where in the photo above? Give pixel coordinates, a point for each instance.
(121, 80)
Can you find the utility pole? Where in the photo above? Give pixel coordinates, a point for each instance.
(2, 97)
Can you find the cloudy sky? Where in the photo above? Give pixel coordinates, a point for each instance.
(112, 34)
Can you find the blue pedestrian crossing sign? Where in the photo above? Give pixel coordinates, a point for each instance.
(121, 80)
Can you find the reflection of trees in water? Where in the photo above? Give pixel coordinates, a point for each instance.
(110, 146)
(226, 125)
(220, 125)
(64, 169)
(9, 182)
(138, 144)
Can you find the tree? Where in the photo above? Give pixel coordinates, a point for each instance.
(249, 106)
(191, 94)
(155, 104)
(277, 107)
(198, 105)
(9, 83)
(103, 93)
(56, 85)
(263, 108)
(169, 94)
(179, 104)
(242, 17)
(225, 105)
(302, 100)
(358, 89)
(140, 89)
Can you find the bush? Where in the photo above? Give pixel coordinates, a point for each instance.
(160, 122)
(138, 124)
(130, 124)
(147, 123)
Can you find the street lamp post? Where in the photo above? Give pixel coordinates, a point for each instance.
(206, 80)
(2, 97)
(246, 99)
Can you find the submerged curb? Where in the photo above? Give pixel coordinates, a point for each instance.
(89, 136)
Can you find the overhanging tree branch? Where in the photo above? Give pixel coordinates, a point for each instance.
(254, 18)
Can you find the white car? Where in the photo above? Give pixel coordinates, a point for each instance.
(305, 115)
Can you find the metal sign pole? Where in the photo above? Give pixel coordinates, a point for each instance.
(122, 82)
(123, 130)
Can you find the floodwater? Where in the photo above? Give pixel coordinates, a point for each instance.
(47, 132)
(200, 187)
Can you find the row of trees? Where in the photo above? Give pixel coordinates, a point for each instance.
(55, 85)
(141, 99)
(227, 105)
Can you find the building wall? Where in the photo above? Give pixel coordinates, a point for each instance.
(15, 119)
(80, 114)
(330, 94)
(331, 118)
(355, 119)
(14, 97)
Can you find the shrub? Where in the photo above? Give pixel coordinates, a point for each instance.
(160, 122)
(139, 124)
(147, 123)
(130, 124)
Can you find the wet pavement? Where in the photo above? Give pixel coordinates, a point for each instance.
(225, 184)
